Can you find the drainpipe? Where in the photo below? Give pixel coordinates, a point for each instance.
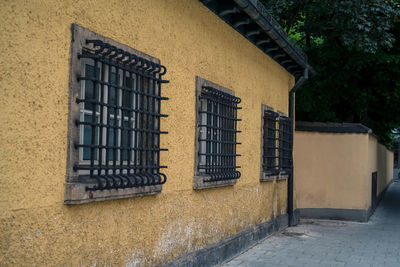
(292, 93)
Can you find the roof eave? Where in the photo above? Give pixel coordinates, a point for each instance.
(281, 48)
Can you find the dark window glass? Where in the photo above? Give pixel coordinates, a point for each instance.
(87, 137)
(270, 155)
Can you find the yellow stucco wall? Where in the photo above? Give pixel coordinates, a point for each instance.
(334, 170)
(36, 228)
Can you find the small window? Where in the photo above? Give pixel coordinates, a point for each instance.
(276, 148)
(216, 136)
(270, 148)
(285, 150)
(115, 114)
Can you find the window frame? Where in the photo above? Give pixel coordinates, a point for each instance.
(281, 174)
(200, 180)
(76, 187)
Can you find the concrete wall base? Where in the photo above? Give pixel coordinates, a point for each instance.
(335, 214)
(342, 214)
(230, 247)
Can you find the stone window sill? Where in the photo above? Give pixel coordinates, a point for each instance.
(199, 182)
(269, 178)
(76, 193)
(282, 177)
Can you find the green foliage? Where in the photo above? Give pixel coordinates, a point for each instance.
(364, 24)
(354, 46)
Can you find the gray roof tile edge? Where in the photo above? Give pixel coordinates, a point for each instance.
(332, 127)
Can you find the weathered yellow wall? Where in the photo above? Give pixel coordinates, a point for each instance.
(372, 162)
(389, 166)
(330, 170)
(334, 170)
(36, 228)
(381, 160)
(372, 154)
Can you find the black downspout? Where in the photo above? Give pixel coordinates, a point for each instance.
(292, 92)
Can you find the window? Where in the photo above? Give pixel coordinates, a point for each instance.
(276, 148)
(115, 113)
(270, 159)
(285, 151)
(216, 136)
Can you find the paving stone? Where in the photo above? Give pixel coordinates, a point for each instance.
(334, 243)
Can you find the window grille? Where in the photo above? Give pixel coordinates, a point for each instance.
(285, 133)
(120, 111)
(270, 146)
(218, 135)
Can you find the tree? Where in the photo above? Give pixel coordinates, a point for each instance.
(354, 46)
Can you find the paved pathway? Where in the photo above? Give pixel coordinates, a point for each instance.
(334, 243)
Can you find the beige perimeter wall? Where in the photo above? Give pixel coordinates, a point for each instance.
(334, 170)
(36, 227)
(380, 160)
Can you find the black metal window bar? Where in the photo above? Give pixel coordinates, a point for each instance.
(120, 104)
(285, 152)
(270, 144)
(218, 135)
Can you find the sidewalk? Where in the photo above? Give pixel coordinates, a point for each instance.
(334, 243)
